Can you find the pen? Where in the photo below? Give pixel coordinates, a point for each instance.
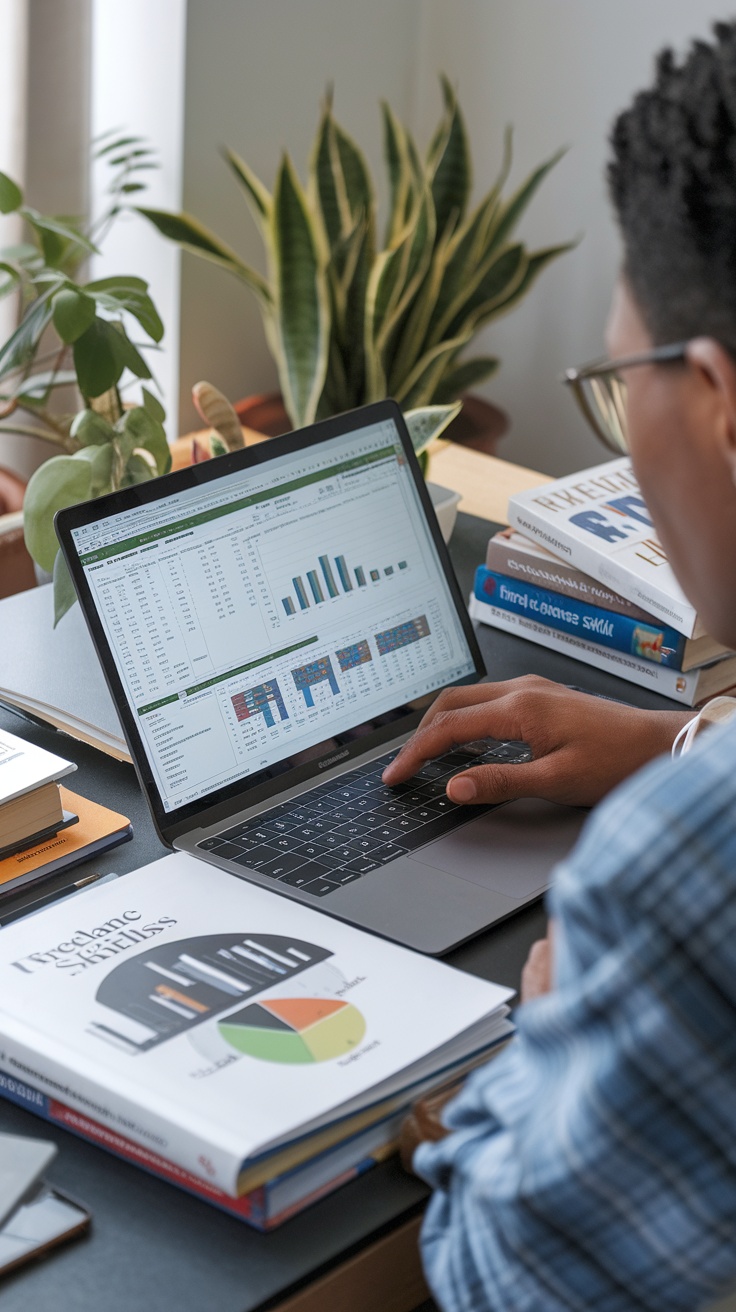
(67, 891)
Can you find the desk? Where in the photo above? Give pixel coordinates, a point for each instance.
(155, 1247)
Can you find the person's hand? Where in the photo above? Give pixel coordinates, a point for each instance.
(536, 977)
(582, 746)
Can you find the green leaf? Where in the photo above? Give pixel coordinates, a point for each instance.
(258, 196)
(353, 175)
(64, 593)
(400, 173)
(59, 482)
(137, 470)
(138, 304)
(536, 262)
(127, 354)
(419, 387)
(115, 145)
(11, 196)
(301, 302)
(116, 284)
(99, 459)
(324, 184)
(426, 423)
(45, 225)
(36, 388)
(451, 181)
(90, 428)
(217, 446)
(462, 377)
(512, 211)
(194, 237)
(98, 359)
(152, 404)
(73, 313)
(148, 432)
(21, 346)
(496, 278)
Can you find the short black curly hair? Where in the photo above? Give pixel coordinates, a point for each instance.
(672, 180)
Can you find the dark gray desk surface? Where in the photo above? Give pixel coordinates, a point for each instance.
(152, 1245)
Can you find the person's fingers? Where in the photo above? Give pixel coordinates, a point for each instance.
(536, 977)
(452, 727)
(498, 783)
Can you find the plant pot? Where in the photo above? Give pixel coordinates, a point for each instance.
(445, 503)
(480, 424)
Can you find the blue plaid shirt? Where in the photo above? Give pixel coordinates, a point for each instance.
(592, 1166)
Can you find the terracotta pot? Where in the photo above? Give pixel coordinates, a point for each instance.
(480, 424)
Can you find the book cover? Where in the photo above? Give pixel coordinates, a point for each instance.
(690, 688)
(650, 641)
(25, 767)
(518, 557)
(597, 521)
(165, 1003)
(97, 829)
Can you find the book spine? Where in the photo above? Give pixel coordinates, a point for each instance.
(650, 642)
(508, 558)
(668, 683)
(85, 1094)
(606, 569)
(264, 1208)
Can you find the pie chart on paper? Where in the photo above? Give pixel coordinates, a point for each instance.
(295, 1031)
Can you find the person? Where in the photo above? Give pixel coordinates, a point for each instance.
(593, 1164)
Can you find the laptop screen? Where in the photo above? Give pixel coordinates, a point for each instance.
(272, 609)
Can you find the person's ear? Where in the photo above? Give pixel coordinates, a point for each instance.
(717, 372)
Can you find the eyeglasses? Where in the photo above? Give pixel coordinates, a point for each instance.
(600, 391)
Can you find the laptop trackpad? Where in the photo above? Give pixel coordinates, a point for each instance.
(510, 850)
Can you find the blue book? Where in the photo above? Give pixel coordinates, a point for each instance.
(605, 628)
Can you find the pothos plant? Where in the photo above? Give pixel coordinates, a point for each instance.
(73, 333)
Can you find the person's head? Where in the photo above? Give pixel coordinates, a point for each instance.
(672, 179)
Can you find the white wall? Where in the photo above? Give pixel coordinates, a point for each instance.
(256, 73)
(559, 71)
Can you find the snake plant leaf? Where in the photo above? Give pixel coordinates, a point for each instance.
(497, 278)
(258, 196)
(59, 482)
(451, 180)
(21, 345)
(353, 334)
(64, 593)
(301, 299)
(418, 248)
(385, 285)
(462, 377)
(323, 184)
(427, 422)
(74, 311)
(419, 387)
(193, 236)
(408, 348)
(352, 174)
(11, 196)
(404, 172)
(514, 208)
(536, 262)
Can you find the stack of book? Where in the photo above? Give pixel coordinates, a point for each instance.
(581, 571)
(247, 1048)
(45, 828)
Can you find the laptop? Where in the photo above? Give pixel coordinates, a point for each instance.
(272, 626)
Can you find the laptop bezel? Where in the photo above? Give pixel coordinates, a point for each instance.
(240, 795)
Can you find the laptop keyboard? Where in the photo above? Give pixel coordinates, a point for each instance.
(345, 828)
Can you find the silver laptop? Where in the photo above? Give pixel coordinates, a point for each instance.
(272, 626)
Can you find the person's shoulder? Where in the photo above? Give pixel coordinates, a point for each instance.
(671, 825)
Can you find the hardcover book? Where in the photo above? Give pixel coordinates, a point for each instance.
(691, 688)
(522, 558)
(202, 1018)
(597, 521)
(648, 639)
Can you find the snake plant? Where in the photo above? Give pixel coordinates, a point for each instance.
(350, 319)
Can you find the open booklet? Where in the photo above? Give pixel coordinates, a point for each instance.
(209, 1020)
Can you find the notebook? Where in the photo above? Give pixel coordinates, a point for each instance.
(272, 625)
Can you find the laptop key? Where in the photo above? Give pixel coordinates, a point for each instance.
(228, 850)
(309, 871)
(209, 844)
(353, 829)
(257, 856)
(282, 865)
(362, 866)
(320, 887)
